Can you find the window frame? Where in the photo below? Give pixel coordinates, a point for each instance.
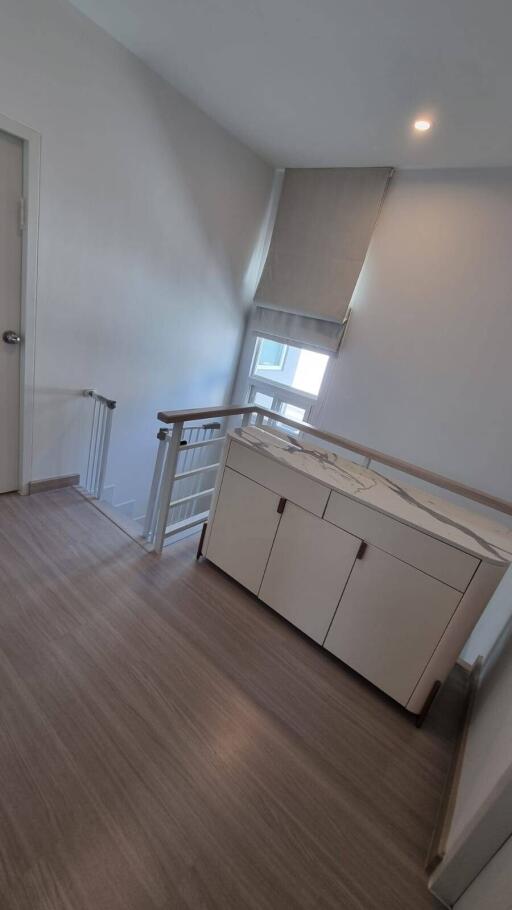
(280, 393)
(277, 401)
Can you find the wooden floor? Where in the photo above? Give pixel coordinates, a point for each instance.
(168, 742)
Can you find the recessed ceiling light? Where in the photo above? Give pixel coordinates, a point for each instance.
(422, 125)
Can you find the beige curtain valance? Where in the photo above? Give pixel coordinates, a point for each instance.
(296, 329)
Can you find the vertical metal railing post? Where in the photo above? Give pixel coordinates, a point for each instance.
(99, 443)
(105, 443)
(99, 450)
(169, 473)
(96, 420)
(149, 523)
(90, 459)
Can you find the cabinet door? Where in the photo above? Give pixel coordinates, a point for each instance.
(243, 530)
(389, 622)
(307, 570)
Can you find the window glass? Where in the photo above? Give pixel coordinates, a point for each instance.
(271, 355)
(296, 368)
(285, 379)
(291, 411)
(309, 372)
(259, 398)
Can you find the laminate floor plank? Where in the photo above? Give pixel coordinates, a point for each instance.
(166, 741)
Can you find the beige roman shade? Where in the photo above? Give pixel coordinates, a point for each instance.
(321, 235)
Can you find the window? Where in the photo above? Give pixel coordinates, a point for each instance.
(270, 355)
(285, 378)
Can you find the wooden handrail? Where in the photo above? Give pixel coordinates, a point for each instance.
(446, 483)
(205, 413)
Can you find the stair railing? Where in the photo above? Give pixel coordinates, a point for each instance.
(99, 443)
(185, 468)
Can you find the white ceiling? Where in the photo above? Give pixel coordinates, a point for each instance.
(335, 82)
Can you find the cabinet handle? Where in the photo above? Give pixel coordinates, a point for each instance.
(362, 549)
(282, 503)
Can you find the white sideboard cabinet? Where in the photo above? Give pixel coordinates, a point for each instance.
(388, 578)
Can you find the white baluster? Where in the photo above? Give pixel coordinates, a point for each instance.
(169, 473)
(163, 441)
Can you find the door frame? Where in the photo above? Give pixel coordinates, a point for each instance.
(28, 304)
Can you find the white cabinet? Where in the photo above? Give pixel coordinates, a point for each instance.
(389, 622)
(307, 570)
(246, 520)
(399, 615)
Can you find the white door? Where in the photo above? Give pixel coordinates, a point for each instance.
(307, 570)
(389, 622)
(243, 530)
(10, 294)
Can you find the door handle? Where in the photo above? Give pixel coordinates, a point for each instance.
(362, 549)
(282, 503)
(11, 337)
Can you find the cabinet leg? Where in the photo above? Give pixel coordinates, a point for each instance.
(201, 541)
(428, 703)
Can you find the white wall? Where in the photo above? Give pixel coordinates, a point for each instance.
(149, 214)
(425, 371)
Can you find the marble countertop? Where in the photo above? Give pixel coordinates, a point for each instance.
(467, 530)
